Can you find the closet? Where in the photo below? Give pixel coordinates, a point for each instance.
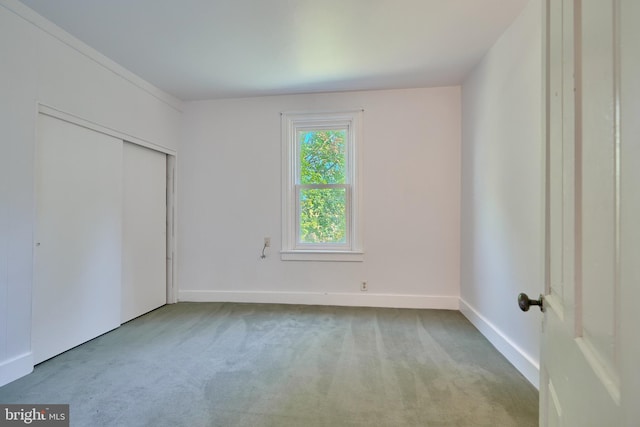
(100, 234)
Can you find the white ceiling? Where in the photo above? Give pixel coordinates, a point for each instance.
(203, 49)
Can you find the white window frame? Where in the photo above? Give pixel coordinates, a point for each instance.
(292, 123)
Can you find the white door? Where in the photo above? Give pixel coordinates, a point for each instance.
(590, 339)
(78, 237)
(144, 236)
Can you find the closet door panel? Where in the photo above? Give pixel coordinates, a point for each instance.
(144, 256)
(78, 236)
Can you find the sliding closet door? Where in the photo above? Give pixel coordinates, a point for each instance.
(144, 255)
(78, 237)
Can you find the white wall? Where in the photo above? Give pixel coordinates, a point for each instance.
(42, 64)
(502, 191)
(229, 199)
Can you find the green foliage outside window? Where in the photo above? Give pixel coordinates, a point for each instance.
(322, 210)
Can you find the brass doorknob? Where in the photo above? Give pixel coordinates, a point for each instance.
(525, 302)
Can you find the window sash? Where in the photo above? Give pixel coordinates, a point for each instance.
(347, 151)
(347, 245)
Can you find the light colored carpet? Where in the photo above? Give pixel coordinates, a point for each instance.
(224, 364)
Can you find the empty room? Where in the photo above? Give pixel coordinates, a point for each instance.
(319, 213)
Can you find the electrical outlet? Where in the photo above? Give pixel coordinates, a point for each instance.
(364, 287)
(267, 242)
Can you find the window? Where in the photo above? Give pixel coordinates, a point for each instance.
(321, 179)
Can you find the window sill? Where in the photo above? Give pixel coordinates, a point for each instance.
(335, 256)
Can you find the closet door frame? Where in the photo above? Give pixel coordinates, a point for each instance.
(172, 288)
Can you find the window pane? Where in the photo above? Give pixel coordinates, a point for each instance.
(323, 215)
(322, 156)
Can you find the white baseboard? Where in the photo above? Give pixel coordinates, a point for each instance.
(523, 362)
(362, 299)
(12, 369)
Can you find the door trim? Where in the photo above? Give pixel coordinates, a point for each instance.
(80, 121)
